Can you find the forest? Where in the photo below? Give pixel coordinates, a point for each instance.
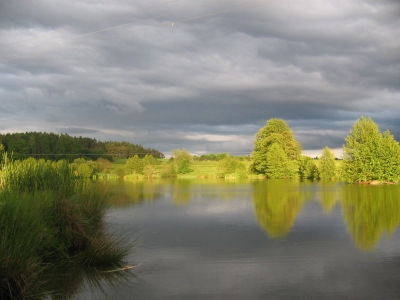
(53, 146)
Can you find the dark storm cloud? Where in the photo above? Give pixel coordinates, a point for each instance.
(207, 84)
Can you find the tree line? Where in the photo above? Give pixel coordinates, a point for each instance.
(63, 146)
(369, 156)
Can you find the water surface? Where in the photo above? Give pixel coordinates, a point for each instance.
(216, 239)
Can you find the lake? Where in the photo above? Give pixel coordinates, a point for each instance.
(267, 239)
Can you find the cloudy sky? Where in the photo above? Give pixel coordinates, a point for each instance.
(201, 75)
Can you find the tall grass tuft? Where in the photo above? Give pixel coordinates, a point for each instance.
(22, 235)
(49, 216)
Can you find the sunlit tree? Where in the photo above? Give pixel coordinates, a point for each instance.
(184, 167)
(278, 163)
(327, 167)
(369, 155)
(180, 154)
(307, 168)
(134, 165)
(278, 132)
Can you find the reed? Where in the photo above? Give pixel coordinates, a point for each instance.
(49, 216)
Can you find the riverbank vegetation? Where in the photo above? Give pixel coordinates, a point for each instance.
(369, 156)
(49, 216)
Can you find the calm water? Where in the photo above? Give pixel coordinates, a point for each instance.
(255, 240)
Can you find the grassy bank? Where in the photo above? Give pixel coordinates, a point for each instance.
(49, 217)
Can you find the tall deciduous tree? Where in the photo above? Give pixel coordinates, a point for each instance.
(369, 155)
(278, 132)
(327, 167)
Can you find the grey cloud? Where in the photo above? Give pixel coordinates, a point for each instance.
(319, 66)
(76, 130)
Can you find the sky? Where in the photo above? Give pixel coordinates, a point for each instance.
(200, 75)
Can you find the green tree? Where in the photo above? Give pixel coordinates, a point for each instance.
(104, 165)
(134, 165)
(168, 170)
(227, 165)
(278, 164)
(184, 167)
(312, 171)
(369, 155)
(307, 168)
(278, 132)
(179, 155)
(150, 170)
(327, 167)
(149, 160)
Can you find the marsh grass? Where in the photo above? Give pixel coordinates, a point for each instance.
(50, 217)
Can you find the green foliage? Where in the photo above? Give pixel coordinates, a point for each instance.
(85, 171)
(150, 170)
(241, 170)
(369, 155)
(226, 166)
(149, 160)
(307, 168)
(327, 166)
(104, 165)
(180, 155)
(275, 131)
(168, 170)
(36, 175)
(127, 150)
(134, 165)
(63, 146)
(217, 157)
(184, 167)
(231, 165)
(119, 171)
(278, 164)
(22, 235)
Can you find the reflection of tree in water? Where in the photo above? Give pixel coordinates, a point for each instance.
(328, 195)
(128, 192)
(276, 205)
(369, 211)
(182, 192)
